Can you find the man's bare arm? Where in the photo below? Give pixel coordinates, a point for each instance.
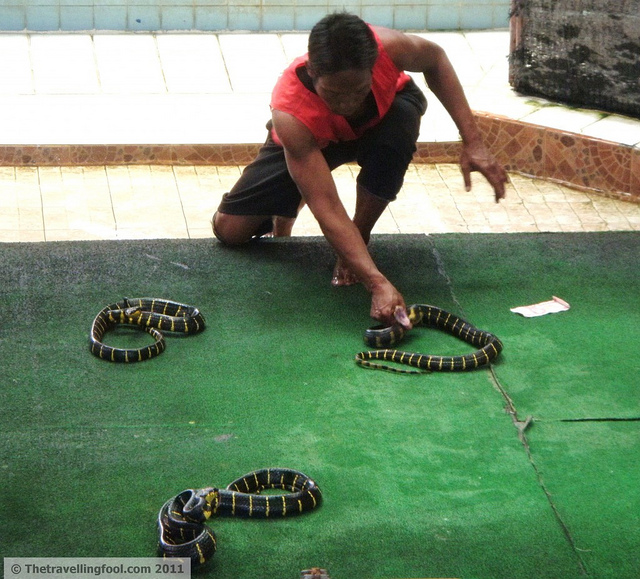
(416, 54)
(312, 175)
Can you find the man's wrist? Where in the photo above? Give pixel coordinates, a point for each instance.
(375, 282)
(471, 137)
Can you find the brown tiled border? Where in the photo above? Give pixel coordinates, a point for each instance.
(66, 155)
(575, 160)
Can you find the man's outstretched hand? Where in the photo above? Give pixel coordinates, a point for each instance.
(387, 305)
(476, 157)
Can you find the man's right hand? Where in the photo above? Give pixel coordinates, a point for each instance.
(387, 305)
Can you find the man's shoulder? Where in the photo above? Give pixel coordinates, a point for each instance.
(404, 49)
(388, 36)
(394, 42)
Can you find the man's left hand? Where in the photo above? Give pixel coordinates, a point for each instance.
(476, 157)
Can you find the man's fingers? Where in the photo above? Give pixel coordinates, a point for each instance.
(495, 175)
(499, 189)
(499, 183)
(466, 175)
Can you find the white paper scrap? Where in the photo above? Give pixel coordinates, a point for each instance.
(551, 307)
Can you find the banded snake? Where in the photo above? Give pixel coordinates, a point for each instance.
(425, 315)
(150, 314)
(181, 520)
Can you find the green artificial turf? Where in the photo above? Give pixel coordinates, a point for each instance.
(422, 476)
(573, 364)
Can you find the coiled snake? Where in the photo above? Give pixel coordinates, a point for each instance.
(181, 521)
(431, 316)
(150, 314)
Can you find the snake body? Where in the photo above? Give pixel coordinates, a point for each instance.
(425, 315)
(181, 521)
(153, 315)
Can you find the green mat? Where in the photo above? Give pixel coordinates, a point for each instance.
(422, 476)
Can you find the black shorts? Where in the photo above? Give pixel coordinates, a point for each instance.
(383, 154)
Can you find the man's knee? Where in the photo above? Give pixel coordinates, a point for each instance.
(225, 232)
(239, 229)
(383, 173)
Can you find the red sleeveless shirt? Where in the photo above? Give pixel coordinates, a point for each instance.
(292, 97)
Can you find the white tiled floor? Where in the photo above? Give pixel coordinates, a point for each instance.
(136, 202)
(214, 88)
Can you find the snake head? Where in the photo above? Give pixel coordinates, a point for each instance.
(201, 504)
(401, 317)
(133, 314)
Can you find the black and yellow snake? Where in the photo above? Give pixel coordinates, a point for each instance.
(181, 521)
(150, 314)
(424, 315)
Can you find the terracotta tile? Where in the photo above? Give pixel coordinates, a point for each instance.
(591, 163)
(444, 152)
(567, 157)
(634, 188)
(518, 146)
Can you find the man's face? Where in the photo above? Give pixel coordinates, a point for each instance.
(343, 92)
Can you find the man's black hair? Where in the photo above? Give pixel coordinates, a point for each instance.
(341, 41)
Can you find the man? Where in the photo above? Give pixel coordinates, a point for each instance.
(347, 100)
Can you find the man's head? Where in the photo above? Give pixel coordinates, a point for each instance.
(342, 52)
(341, 41)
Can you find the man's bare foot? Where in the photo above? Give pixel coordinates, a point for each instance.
(342, 276)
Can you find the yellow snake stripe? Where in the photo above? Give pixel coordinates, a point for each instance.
(201, 557)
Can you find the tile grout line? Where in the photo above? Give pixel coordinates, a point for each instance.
(44, 228)
(32, 73)
(224, 62)
(184, 215)
(159, 55)
(96, 63)
(113, 211)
